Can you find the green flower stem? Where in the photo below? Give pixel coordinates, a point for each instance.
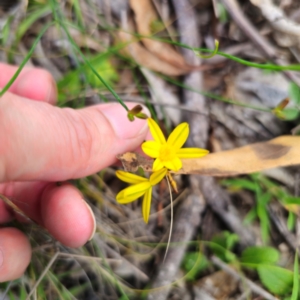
(213, 96)
(62, 24)
(210, 55)
(11, 81)
(266, 66)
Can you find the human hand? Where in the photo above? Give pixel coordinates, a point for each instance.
(42, 144)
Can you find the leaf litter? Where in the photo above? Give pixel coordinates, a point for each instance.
(242, 141)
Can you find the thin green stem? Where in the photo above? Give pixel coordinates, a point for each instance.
(64, 27)
(266, 66)
(214, 52)
(23, 63)
(213, 96)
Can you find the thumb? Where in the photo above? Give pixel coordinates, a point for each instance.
(43, 142)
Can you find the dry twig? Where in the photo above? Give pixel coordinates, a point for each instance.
(277, 18)
(188, 217)
(254, 35)
(253, 286)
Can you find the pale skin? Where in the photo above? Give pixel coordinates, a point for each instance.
(41, 144)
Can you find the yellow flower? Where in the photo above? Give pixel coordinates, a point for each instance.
(140, 186)
(168, 152)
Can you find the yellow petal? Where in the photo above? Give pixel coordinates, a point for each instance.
(157, 176)
(146, 206)
(191, 152)
(124, 200)
(156, 132)
(179, 136)
(157, 165)
(137, 188)
(133, 192)
(129, 177)
(151, 148)
(174, 164)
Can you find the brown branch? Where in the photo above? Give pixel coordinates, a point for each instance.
(253, 286)
(188, 218)
(253, 34)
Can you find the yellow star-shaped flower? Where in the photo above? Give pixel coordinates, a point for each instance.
(168, 153)
(140, 186)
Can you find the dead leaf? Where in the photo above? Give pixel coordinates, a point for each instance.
(145, 15)
(280, 152)
(131, 161)
(150, 61)
(147, 59)
(219, 285)
(152, 54)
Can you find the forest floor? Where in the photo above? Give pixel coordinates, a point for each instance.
(231, 70)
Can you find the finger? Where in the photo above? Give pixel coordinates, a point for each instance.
(43, 142)
(67, 216)
(5, 214)
(60, 209)
(26, 196)
(32, 83)
(15, 254)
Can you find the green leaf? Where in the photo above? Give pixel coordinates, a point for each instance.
(294, 92)
(39, 11)
(11, 295)
(226, 239)
(291, 200)
(194, 263)
(262, 213)
(222, 243)
(291, 221)
(74, 82)
(240, 184)
(232, 240)
(78, 13)
(276, 279)
(56, 11)
(6, 29)
(296, 278)
(264, 199)
(250, 217)
(289, 114)
(223, 16)
(124, 297)
(260, 255)
(40, 292)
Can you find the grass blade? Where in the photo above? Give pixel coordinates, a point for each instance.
(296, 278)
(11, 81)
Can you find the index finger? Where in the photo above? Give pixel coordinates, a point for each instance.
(32, 83)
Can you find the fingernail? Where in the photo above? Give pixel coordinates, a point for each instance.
(52, 92)
(37, 84)
(94, 220)
(124, 129)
